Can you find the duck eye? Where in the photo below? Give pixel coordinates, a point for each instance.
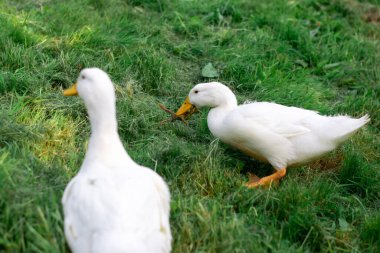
(83, 77)
(196, 91)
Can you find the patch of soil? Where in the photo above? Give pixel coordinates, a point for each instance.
(332, 162)
(372, 15)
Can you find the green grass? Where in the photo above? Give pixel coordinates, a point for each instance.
(321, 55)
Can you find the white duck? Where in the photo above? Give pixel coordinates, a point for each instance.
(112, 204)
(280, 135)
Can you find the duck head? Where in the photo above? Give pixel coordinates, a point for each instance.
(212, 95)
(93, 86)
(96, 89)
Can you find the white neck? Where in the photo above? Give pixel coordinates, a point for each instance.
(105, 146)
(217, 114)
(102, 118)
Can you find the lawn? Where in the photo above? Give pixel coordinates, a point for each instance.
(321, 55)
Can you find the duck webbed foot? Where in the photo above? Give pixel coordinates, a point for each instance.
(255, 181)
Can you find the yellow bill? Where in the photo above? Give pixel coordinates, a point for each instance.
(72, 91)
(186, 109)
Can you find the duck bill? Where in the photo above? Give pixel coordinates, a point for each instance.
(186, 109)
(72, 91)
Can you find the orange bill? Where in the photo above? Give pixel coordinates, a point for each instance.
(186, 109)
(72, 91)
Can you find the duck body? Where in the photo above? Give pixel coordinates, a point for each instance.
(113, 204)
(280, 135)
(105, 212)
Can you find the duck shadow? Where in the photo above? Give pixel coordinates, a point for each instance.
(247, 164)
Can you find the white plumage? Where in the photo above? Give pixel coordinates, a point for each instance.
(281, 135)
(113, 204)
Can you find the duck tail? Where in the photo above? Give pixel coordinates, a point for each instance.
(347, 126)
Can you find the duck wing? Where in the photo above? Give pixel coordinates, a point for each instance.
(263, 130)
(283, 120)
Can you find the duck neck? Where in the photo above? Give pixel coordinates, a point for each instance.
(103, 120)
(217, 114)
(105, 146)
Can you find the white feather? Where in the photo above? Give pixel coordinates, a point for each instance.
(113, 204)
(281, 135)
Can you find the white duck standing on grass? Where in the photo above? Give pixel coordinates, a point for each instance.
(112, 204)
(280, 135)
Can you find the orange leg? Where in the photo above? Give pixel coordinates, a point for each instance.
(255, 182)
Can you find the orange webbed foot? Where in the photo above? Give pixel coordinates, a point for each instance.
(255, 181)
